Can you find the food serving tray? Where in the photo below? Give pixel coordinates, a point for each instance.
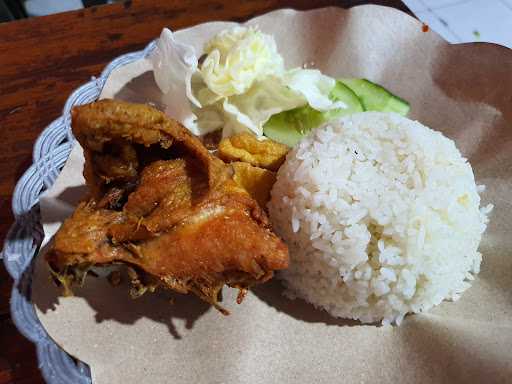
(50, 153)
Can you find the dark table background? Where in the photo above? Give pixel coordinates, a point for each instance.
(42, 60)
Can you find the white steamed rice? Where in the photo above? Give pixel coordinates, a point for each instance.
(382, 217)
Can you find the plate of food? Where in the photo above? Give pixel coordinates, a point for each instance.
(307, 196)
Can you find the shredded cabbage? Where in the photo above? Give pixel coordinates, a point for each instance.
(248, 112)
(238, 57)
(240, 84)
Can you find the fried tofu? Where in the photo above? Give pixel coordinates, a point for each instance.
(246, 147)
(255, 180)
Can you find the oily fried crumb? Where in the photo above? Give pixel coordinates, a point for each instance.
(114, 278)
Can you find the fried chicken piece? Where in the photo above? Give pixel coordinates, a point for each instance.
(257, 181)
(163, 205)
(120, 164)
(246, 147)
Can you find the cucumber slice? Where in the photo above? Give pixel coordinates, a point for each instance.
(341, 92)
(282, 128)
(290, 126)
(377, 98)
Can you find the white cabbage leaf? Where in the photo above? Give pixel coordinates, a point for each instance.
(314, 87)
(174, 63)
(251, 110)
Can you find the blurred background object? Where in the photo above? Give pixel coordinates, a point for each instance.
(457, 21)
(48, 7)
(11, 10)
(18, 9)
(464, 21)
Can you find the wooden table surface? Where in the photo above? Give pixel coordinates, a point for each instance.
(42, 60)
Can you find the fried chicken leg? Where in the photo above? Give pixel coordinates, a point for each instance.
(162, 204)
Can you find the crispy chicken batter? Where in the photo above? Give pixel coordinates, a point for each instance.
(246, 147)
(162, 204)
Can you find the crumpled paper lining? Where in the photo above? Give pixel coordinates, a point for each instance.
(463, 91)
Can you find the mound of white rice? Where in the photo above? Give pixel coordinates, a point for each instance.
(382, 218)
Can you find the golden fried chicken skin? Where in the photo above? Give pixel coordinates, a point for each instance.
(163, 205)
